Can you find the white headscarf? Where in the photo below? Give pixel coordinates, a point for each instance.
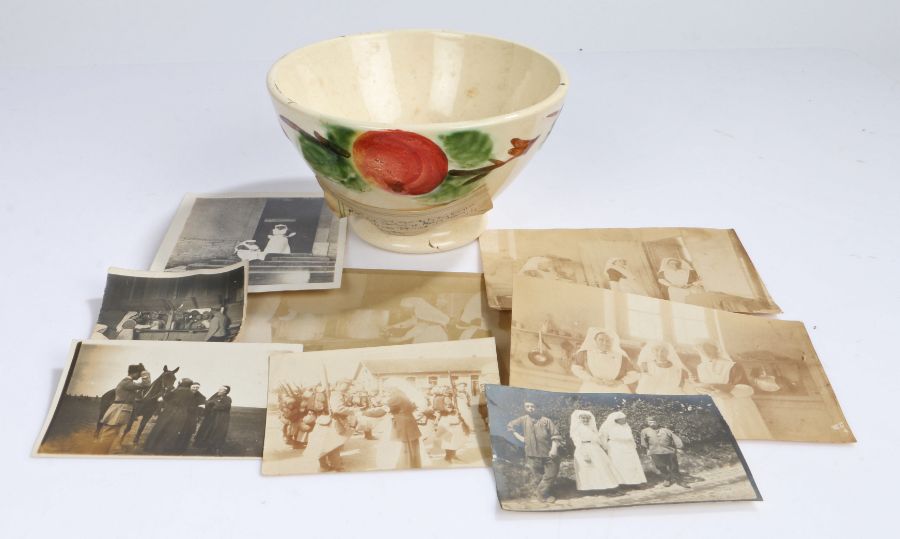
(713, 370)
(425, 311)
(678, 277)
(602, 364)
(578, 431)
(615, 431)
(624, 270)
(646, 357)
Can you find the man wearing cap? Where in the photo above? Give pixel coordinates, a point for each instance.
(218, 326)
(116, 417)
(542, 441)
(662, 445)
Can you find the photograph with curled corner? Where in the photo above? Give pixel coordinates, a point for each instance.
(160, 399)
(414, 406)
(698, 266)
(201, 305)
(564, 451)
(290, 241)
(763, 373)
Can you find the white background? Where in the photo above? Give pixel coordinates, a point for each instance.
(780, 119)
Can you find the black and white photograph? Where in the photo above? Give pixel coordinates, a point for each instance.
(379, 308)
(200, 305)
(290, 241)
(382, 408)
(563, 451)
(161, 399)
(698, 266)
(763, 373)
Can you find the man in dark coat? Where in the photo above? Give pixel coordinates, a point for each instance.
(216, 419)
(542, 440)
(404, 428)
(177, 421)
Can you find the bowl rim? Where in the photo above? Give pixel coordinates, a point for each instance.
(556, 96)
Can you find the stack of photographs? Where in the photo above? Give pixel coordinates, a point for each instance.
(632, 358)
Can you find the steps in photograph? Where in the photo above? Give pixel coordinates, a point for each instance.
(280, 268)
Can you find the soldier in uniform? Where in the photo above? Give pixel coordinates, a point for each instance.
(334, 429)
(119, 412)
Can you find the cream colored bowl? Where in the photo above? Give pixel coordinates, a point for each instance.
(413, 133)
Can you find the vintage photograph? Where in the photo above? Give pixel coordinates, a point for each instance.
(139, 399)
(199, 305)
(762, 373)
(380, 408)
(379, 308)
(562, 451)
(290, 241)
(699, 266)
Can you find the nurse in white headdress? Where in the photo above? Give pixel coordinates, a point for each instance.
(662, 372)
(602, 365)
(618, 438)
(539, 266)
(279, 240)
(719, 377)
(427, 323)
(679, 278)
(621, 279)
(593, 468)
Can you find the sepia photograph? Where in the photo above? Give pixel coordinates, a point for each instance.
(698, 266)
(563, 451)
(290, 241)
(199, 305)
(762, 373)
(160, 399)
(380, 408)
(379, 308)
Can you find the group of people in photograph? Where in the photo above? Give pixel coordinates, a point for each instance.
(213, 322)
(606, 460)
(438, 421)
(602, 366)
(423, 322)
(178, 414)
(676, 277)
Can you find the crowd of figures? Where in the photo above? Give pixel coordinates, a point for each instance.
(214, 322)
(603, 366)
(438, 421)
(606, 460)
(184, 417)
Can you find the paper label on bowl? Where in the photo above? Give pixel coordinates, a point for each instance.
(410, 222)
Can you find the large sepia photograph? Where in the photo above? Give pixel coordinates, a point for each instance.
(133, 399)
(762, 373)
(379, 308)
(381, 408)
(199, 305)
(563, 451)
(698, 266)
(290, 241)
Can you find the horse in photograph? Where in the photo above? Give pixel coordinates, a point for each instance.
(146, 407)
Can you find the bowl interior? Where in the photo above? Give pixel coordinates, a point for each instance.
(414, 77)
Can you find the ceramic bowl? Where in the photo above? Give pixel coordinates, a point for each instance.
(413, 133)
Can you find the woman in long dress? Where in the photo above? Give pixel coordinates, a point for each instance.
(662, 372)
(679, 279)
(719, 376)
(616, 435)
(216, 420)
(177, 421)
(602, 365)
(279, 240)
(593, 468)
(621, 278)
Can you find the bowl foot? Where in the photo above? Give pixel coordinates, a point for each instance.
(443, 237)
